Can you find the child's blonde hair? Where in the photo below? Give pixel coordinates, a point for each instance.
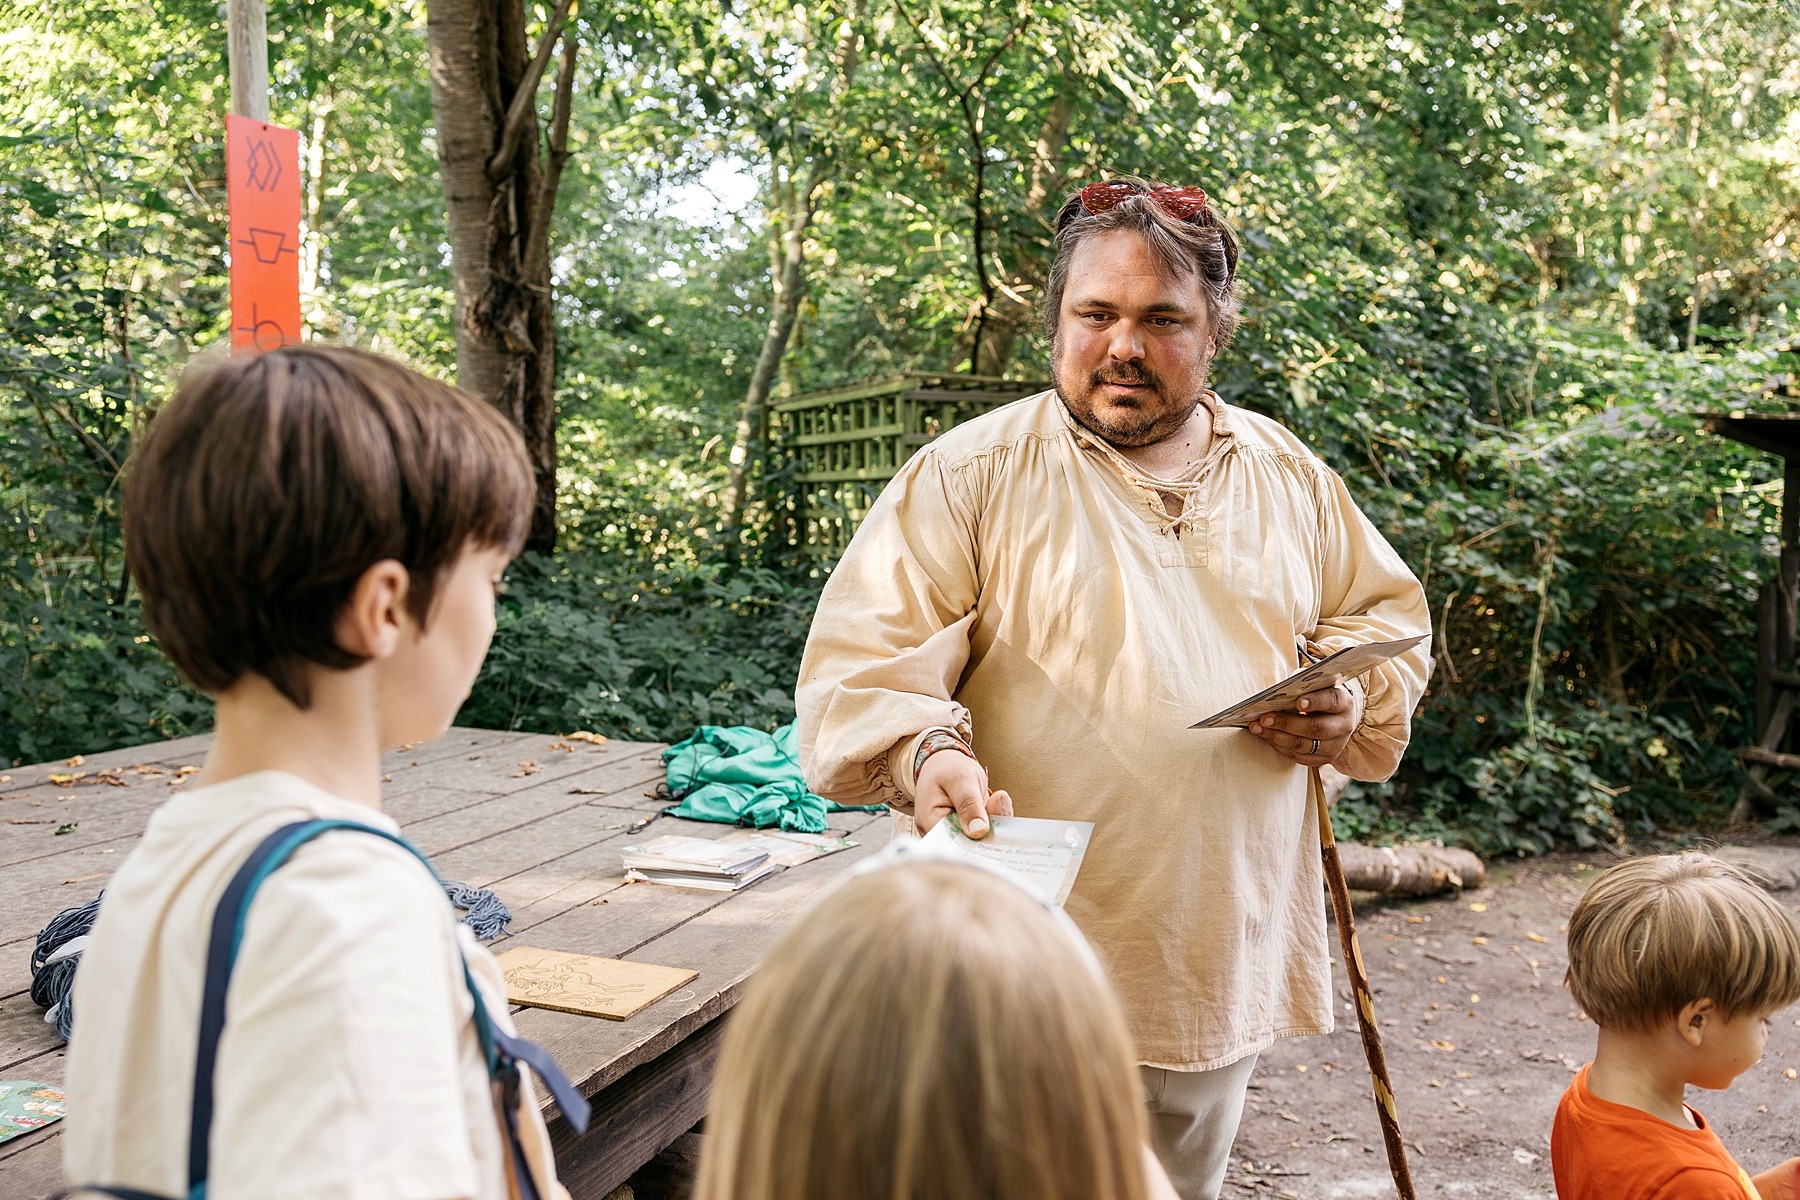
(931, 1032)
(1655, 934)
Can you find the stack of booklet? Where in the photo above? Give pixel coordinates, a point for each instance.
(716, 866)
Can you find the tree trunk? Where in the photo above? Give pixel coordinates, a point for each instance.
(788, 279)
(312, 239)
(796, 191)
(999, 336)
(500, 187)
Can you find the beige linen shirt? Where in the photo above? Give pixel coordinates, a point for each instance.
(349, 1067)
(1012, 583)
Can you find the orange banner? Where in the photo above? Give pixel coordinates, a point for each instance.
(262, 180)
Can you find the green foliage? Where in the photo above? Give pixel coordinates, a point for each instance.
(648, 655)
(1496, 256)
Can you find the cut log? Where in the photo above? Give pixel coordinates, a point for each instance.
(1410, 870)
(1401, 870)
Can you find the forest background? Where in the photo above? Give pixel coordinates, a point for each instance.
(1497, 255)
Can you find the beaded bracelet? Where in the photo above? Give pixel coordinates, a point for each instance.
(938, 739)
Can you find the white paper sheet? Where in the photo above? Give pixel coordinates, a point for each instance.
(1043, 856)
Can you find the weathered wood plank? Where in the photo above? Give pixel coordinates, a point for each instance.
(589, 876)
(501, 770)
(723, 941)
(517, 851)
(638, 1115)
(34, 1170)
(547, 839)
(108, 825)
(102, 814)
(502, 814)
(23, 1036)
(177, 750)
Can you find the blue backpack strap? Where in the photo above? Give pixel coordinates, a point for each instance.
(502, 1051)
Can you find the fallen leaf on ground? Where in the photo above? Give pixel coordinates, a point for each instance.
(1536, 937)
(582, 735)
(1441, 1044)
(1285, 1115)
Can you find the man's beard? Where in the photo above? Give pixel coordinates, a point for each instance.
(1122, 426)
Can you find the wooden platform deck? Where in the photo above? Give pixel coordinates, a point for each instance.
(538, 819)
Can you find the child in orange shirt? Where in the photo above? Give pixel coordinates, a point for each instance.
(1680, 961)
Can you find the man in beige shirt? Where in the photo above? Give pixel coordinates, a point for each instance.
(1045, 599)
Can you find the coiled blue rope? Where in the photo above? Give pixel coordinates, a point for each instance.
(53, 961)
(57, 951)
(485, 914)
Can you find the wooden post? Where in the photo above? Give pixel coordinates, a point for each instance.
(247, 28)
(1790, 568)
(1767, 604)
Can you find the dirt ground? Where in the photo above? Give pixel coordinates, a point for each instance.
(1481, 1041)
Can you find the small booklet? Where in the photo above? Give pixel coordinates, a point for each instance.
(789, 849)
(1345, 664)
(713, 865)
(705, 855)
(700, 880)
(1044, 856)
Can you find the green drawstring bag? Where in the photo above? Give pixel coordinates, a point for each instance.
(742, 776)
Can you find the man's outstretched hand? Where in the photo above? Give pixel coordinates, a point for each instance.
(1328, 717)
(951, 781)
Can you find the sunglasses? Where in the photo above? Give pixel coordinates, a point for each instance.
(1182, 203)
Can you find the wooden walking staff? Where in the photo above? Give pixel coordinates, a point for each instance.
(1359, 987)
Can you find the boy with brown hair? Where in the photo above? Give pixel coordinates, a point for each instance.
(1680, 961)
(318, 535)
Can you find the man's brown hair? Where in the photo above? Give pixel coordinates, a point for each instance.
(267, 485)
(1655, 934)
(1201, 247)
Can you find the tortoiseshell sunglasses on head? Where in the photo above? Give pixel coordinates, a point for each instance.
(1182, 203)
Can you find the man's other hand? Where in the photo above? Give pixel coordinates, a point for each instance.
(951, 781)
(1316, 731)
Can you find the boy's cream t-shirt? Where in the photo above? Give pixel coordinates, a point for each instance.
(349, 1066)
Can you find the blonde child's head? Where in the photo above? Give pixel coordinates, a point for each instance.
(930, 1032)
(1656, 934)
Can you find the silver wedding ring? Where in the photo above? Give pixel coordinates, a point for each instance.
(1315, 748)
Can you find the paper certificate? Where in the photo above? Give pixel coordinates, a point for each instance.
(1345, 664)
(1043, 856)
